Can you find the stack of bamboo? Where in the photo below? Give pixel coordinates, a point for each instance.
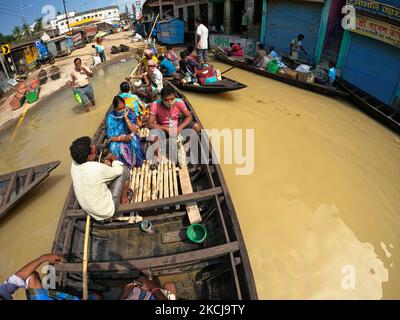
(159, 183)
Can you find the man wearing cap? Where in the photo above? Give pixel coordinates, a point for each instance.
(153, 81)
(148, 56)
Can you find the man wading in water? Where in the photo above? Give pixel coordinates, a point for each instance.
(80, 83)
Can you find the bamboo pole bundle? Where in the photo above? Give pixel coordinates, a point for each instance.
(176, 192)
(136, 190)
(140, 195)
(166, 193)
(154, 185)
(160, 182)
(145, 183)
(170, 182)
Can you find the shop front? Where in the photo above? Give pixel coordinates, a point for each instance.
(370, 54)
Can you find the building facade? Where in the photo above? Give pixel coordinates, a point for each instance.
(110, 15)
(370, 53)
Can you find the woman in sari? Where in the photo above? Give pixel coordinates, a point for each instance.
(122, 130)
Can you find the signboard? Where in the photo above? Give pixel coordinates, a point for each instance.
(5, 48)
(376, 8)
(138, 8)
(378, 30)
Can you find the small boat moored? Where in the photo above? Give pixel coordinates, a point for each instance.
(318, 88)
(15, 185)
(223, 85)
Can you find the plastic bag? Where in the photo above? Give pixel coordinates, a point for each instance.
(96, 60)
(303, 68)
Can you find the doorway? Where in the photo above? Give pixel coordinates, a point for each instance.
(191, 25)
(204, 13)
(219, 13)
(236, 17)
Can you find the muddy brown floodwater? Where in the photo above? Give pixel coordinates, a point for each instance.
(320, 213)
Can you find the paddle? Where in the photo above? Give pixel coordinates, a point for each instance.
(229, 69)
(145, 47)
(85, 289)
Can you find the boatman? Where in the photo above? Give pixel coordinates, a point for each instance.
(295, 46)
(201, 41)
(80, 83)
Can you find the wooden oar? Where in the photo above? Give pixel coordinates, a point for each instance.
(229, 69)
(85, 255)
(145, 47)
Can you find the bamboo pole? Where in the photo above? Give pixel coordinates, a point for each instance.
(171, 185)
(141, 183)
(136, 191)
(176, 192)
(148, 197)
(85, 260)
(154, 185)
(166, 193)
(145, 184)
(85, 288)
(133, 179)
(145, 47)
(160, 180)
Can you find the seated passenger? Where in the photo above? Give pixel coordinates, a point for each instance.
(167, 68)
(98, 187)
(171, 56)
(272, 53)
(260, 54)
(188, 68)
(165, 114)
(133, 102)
(145, 289)
(153, 82)
(235, 50)
(148, 56)
(122, 131)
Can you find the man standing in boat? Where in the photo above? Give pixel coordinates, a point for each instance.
(80, 83)
(99, 187)
(295, 46)
(201, 41)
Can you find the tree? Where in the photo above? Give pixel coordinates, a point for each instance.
(17, 33)
(26, 30)
(5, 39)
(38, 25)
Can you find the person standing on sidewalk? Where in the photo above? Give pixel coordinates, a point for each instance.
(80, 83)
(201, 41)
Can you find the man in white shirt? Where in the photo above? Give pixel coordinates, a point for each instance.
(98, 186)
(201, 41)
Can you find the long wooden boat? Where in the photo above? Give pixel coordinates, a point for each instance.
(223, 85)
(218, 268)
(372, 106)
(15, 185)
(318, 88)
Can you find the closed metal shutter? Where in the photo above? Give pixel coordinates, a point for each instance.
(287, 19)
(373, 66)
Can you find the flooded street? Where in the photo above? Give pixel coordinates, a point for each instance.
(320, 214)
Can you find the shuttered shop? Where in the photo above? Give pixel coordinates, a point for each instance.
(286, 19)
(373, 66)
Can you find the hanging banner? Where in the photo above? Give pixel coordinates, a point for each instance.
(376, 8)
(138, 8)
(378, 30)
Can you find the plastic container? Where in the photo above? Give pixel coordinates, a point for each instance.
(196, 233)
(272, 66)
(32, 97)
(147, 227)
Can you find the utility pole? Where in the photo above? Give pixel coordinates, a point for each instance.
(66, 17)
(160, 8)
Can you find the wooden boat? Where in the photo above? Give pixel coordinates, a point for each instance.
(372, 106)
(318, 88)
(218, 268)
(15, 185)
(224, 85)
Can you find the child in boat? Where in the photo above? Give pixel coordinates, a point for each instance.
(122, 131)
(235, 50)
(133, 102)
(99, 187)
(330, 78)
